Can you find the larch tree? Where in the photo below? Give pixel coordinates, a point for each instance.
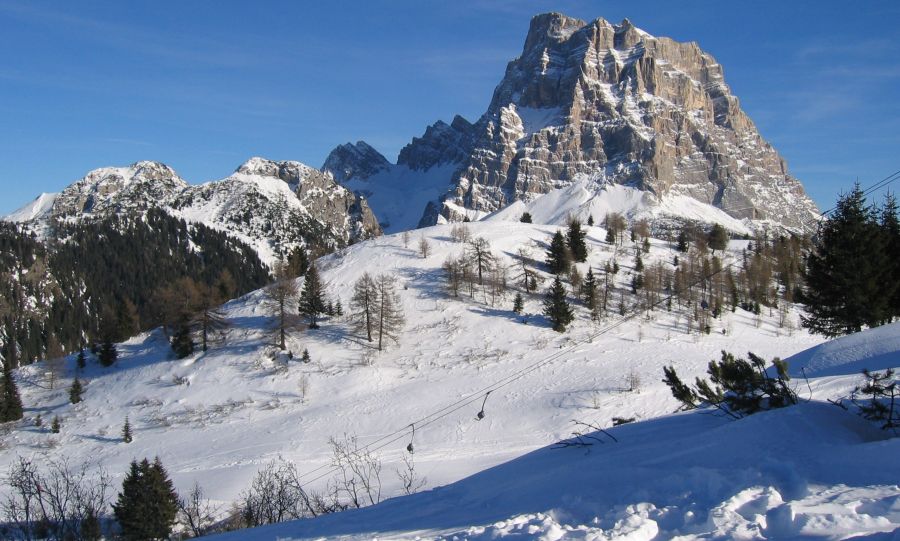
(364, 304)
(388, 310)
(280, 295)
(478, 252)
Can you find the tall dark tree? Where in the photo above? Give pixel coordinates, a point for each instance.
(108, 354)
(575, 240)
(589, 290)
(518, 303)
(890, 229)
(10, 400)
(312, 297)
(147, 505)
(75, 391)
(182, 342)
(478, 252)
(364, 303)
(718, 237)
(298, 262)
(556, 307)
(558, 258)
(848, 275)
(279, 296)
(525, 218)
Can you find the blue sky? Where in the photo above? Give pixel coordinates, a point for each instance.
(203, 85)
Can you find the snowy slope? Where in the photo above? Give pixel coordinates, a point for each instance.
(217, 417)
(586, 198)
(37, 209)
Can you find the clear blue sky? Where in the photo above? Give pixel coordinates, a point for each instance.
(203, 85)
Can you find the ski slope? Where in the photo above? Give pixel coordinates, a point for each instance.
(217, 417)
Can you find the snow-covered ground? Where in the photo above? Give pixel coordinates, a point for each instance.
(216, 418)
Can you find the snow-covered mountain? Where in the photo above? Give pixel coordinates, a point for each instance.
(598, 104)
(218, 417)
(270, 205)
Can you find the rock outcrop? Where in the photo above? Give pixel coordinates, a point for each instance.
(612, 105)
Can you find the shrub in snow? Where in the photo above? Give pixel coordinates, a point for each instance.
(736, 387)
(881, 387)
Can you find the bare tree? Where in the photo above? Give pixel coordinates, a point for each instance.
(412, 482)
(388, 310)
(405, 238)
(527, 276)
(364, 304)
(196, 512)
(460, 232)
(478, 251)
(275, 495)
(62, 503)
(424, 247)
(279, 297)
(454, 269)
(358, 477)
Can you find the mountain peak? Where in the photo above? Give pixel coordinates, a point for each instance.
(354, 161)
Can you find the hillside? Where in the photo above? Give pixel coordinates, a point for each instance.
(217, 417)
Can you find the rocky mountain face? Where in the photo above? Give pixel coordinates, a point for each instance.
(272, 206)
(612, 105)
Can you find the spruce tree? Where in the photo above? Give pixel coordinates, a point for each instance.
(338, 308)
(589, 290)
(518, 303)
(81, 361)
(556, 307)
(718, 238)
(848, 276)
(55, 425)
(312, 297)
(575, 241)
(558, 255)
(526, 218)
(305, 357)
(890, 230)
(108, 354)
(147, 505)
(590, 221)
(75, 391)
(182, 342)
(10, 402)
(127, 437)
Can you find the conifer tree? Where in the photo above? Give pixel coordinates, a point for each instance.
(81, 361)
(590, 221)
(182, 343)
(388, 311)
(127, 437)
(297, 262)
(575, 241)
(10, 402)
(108, 354)
(147, 505)
(55, 425)
(718, 238)
(312, 297)
(75, 391)
(556, 307)
(279, 295)
(890, 229)
(558, 258)
(525, 218)
(364, 303)
(518, 303)
(305, 356)
(848, 280)
(338, 308)
(589, 290)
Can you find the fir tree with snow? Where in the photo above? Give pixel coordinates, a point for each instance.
(525, 218)
(518, 303)
(127, 436)
(10, 402)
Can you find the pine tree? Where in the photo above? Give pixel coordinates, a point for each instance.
(718, 238)
(75, 391)
(556, 307)
(890, 230)
(81, 361)
(182, 342)
(590, 221)
(10, 402)
(126, 431)
(575, 241)
(338, 308)
(589, 290)
(55, 425)
(638, 263)
(108, 354)
(147, 505)
(518, 303)
(297, 262)
(848, 280)
(526, 218)
(305, 357)
(558, 258)
(312, 297)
